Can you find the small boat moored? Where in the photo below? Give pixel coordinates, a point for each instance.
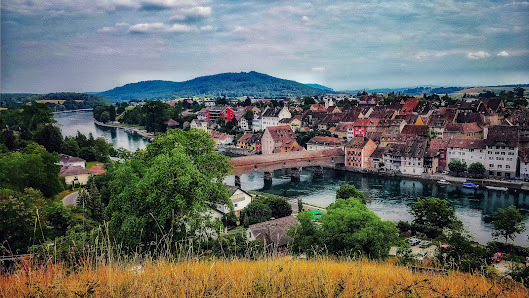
(496, 187)
(443, 182)
(470, 185)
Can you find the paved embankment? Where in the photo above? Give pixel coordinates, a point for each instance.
(143, 133)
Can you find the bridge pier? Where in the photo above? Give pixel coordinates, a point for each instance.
(238, 181)
(267, 179)
(295, 174)
(317, 171)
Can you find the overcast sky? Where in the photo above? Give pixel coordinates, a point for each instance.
(95, 45)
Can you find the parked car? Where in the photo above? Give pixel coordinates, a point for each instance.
(414, 241)
(497, 257)
(425, 244)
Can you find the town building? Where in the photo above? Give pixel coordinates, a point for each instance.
(204, 125)
(278, 139)
(273, 233)
(75, 174)
(502, 151)
(239, 199)
(250, 141)
(67, 160)
(357, 152)
(467, 151)
(412, 157)
(221, 138)
(470, 131)
(272, 116)
(523, 155)
(320, 143)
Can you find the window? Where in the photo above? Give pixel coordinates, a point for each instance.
(503, 153)
(499, 166)
(491, 166)
(507, 166)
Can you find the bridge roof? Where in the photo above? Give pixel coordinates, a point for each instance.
(279, 157)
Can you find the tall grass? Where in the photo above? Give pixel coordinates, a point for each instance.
(271, 277)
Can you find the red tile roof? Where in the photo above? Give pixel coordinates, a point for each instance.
(73, 170)
(326, 141)
(439, 144)
(463, 127)
(418, 130)
(467, 144)
(357, 143)
(97, 169)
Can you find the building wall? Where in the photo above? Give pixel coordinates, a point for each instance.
(466, 155)
(411, 165)
(267, 143)
(501, 161)
(82, 179)
(257, 123)
(463, 135)
(524, 170)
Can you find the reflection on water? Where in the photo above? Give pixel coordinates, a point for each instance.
(390, 197)
(82, 121)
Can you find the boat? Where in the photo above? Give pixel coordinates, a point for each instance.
(496, 187)
(285, 177)
(470, 185)
(443, 181)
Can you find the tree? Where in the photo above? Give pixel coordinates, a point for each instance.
(167, 190)
(50, 137)
(300, 205)
(95, 205)
(434, 212)
(507, 223)
(518, 91)
(306, 236)
(280, 207)
(70, 147)
(350, 229)
(457, 166)
(476, 168)
(347, 191)
(247, 102)
(105, 117)
(256, 212)
(34, 167)
(249, 115)
(155, 115)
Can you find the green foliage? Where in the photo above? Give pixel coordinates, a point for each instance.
(300, 205)
(507, 223)
(350, 229)
(434, 212)
(520, 274)
(18, 216)
(279, 206)
(166, 190)
(457, 166)
(35, 167)
(256, 212)
(104, 113)
(155, 115)
(347, 191)
(476, 168)
(227, 84)
(233, 246)
(88, 100)
(50, 137)
(307, 236)
(463, 253)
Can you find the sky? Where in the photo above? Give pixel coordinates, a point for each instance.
(96, 45)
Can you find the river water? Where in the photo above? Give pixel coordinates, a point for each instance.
(390, 198)
(83, 121)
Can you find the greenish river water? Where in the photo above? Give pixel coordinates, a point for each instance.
(390, 198)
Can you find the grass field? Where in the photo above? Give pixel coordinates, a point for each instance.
(280, 277)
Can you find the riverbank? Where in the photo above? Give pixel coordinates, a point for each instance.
(513, 185)
(71, 111)
(141, 132)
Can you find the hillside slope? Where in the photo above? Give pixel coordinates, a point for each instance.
(252, 84)
(283, 277)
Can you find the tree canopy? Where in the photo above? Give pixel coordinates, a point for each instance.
(434, 212)
(507, 223)
(167, 189)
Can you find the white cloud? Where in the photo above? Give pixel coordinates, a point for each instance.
(160, 27)
(503, 54)
(240, 29)
(318, 68)
(305, 19)
(193, 13)
(114, 28)
(62, 7)
(477, 55)
(207, 28)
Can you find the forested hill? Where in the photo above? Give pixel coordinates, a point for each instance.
(56, 101)
(252, 84)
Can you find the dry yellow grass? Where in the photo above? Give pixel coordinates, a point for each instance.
(285, 277)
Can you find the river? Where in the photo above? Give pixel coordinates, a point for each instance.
(390, 198)
(83, 121)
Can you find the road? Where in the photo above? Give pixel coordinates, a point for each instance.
(70, 199)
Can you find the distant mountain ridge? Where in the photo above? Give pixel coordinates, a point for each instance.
(320, 87)
(251, 83)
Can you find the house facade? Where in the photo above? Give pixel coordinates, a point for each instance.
(320, 143)
(278, 139)
(358, 151)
